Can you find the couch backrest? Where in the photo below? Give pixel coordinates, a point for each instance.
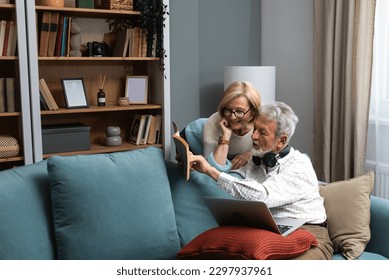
(26, 230)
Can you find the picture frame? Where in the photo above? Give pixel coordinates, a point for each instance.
(137, 89)
(74, 93)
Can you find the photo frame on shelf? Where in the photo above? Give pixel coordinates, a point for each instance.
(137, 89)
(74, 93)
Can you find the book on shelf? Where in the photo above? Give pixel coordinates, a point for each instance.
(182, 149)
(44, 33)
(151, 137)
(10, 94)
(121, 44)
(3, 26)
(2, 95)
(67, 47)
(43, 103)
(137, 127)
(47, 96)
(146, 130)
(53, 33)
(6, 38)
(58, 40)
(64, 36)
(12, 39)
(158, 129)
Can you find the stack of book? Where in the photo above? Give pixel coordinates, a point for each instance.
(54, 34)
(146, 129)
(8, 38)
(131, 43)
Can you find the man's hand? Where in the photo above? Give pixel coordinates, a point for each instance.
(241, 160)
(200, 164)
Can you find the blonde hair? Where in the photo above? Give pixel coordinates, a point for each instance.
(238, 89)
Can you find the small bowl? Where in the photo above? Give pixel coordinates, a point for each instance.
(123, 101)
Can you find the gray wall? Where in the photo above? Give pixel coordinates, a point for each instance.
(287, 43)
(207, 35)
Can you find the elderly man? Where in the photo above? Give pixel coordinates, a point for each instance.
(279, 175)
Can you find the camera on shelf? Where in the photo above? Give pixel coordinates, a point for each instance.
(98, 49)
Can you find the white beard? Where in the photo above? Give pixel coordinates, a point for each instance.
(259, 153)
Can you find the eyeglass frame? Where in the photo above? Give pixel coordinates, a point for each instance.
(234, 112)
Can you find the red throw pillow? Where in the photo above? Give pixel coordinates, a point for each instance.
(234, 242)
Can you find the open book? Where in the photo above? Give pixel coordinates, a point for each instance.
(182, 148)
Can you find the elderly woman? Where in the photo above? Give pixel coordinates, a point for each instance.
(233, 121)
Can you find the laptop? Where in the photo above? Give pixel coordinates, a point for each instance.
(249, 213)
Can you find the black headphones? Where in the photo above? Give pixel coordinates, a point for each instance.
(270, 159)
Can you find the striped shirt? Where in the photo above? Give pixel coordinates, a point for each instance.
(290, 189)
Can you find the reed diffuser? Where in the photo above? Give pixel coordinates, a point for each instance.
(101, 93)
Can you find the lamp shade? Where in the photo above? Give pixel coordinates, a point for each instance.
(263, 78)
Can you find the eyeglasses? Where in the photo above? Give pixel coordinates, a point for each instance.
(238, 113)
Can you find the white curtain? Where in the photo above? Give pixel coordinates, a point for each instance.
(377, 156)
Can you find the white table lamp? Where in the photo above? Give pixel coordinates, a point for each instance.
(263, 79)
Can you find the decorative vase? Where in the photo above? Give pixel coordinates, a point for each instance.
(113, 136)
(112, 141)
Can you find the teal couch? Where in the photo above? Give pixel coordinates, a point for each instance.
(126, 205)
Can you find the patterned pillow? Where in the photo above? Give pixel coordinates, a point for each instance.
(246, 243)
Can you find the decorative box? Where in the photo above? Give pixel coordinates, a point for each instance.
(65, 138)
(9, 146)
(114, 4)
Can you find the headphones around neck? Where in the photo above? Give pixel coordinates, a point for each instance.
(270, 159)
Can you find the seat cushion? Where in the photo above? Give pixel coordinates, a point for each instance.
(26, 230)
(192, 214)
(113, 206)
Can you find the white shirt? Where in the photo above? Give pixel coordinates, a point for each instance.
(290, 189)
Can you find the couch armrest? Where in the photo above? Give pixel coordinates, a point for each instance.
(379, 226)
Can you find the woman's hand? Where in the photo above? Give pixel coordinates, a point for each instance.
(241, 160)
(226, 129)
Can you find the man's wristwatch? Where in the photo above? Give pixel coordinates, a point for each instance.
(221, 141)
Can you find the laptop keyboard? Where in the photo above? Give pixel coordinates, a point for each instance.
(283, 228)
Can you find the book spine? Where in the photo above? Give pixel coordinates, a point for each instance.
(53, 33)
(64, 36)
(3, 25)
(6, 38)
(12, 39)
(10, 93)
(2, 95)
(44, 34)
(58, 41)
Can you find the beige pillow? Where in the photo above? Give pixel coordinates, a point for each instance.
(347, 205)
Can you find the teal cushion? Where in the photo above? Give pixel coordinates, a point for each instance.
(25, 219)
(113, 206)
(192, 214)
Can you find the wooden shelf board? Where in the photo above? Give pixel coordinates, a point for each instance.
(84, 12)
(11, 159)
(91, 58)
(94, 109)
